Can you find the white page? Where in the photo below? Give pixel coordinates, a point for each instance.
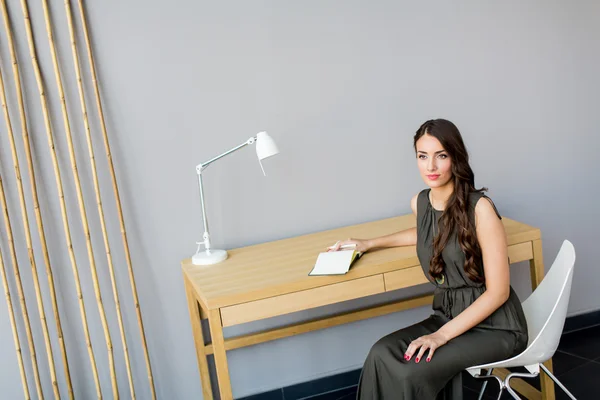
(333, 263)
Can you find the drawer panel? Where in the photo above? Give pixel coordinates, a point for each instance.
(302, 300)
(414, 275)
(520, 252)
(404, 278)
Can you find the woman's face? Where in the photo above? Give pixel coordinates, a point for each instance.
(433, 161)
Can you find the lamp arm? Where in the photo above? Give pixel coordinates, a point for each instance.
(199, 169)
(202, 166)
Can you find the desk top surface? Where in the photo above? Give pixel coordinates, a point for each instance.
(279, 267)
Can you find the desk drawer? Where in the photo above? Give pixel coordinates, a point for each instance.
(414, 275)
(404, 278)
(520, 252)
(303, 300)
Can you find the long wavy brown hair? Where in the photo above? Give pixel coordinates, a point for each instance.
(456, 213)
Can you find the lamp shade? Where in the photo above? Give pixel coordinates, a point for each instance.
(265, 146)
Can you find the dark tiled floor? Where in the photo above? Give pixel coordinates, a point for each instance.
(576, 365)
(583, 378)
(272, 395)
(584, 343)
(327, 386)
(348, 393)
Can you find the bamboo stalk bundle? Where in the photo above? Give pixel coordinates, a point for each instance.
(68, 236)
(13, 254)
(79, 191)
(117, 196)
(97, 191)
(11, 312)
(38, 217)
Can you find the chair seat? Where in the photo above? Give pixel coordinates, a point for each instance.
(510, 363)
(525, 359)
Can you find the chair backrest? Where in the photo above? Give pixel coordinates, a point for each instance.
(546, 308)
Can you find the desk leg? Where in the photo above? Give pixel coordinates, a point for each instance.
(218, 342)
(536, 266)
(196, 322)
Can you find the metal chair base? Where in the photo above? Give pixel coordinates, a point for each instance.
(505, 384)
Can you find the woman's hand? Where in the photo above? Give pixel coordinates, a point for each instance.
(361, 245)
(431, 342)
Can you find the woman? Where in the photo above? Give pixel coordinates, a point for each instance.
(461, 244)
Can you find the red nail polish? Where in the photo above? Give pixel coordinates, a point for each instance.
(406, 357)
(417, 359)
(428, 359)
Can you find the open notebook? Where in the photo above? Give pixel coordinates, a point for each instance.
(335, 262)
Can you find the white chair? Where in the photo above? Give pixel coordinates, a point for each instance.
(545, 311)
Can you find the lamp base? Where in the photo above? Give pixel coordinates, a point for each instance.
(209, 257)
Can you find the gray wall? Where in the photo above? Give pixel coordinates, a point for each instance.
(341, 86)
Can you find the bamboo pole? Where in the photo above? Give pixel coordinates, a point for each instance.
(86, 124)
(38, 217)
(86, 229)
(13, 254)
(117, 197)
(11, 311)
(68, 237)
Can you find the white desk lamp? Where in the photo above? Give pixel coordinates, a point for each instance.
(265, 147)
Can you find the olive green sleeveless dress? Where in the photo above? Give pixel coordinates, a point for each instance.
(387, 375)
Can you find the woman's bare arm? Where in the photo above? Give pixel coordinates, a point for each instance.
(407, 237)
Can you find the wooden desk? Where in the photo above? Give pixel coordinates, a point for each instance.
(271, 279)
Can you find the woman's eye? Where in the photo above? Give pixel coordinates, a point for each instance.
(443, 156)
(421, 156)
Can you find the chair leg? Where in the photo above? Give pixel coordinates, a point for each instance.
(516, 374)
(560, 385)
(490, 376)
(485, 382)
